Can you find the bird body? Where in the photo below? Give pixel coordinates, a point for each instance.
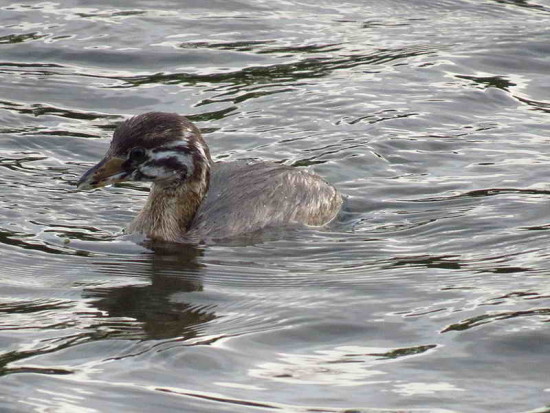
(195, 199)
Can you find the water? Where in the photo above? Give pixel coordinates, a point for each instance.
(430, 293)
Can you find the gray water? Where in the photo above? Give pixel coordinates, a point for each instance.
(430, 293)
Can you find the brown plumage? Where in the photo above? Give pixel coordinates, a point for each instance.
(194, 199)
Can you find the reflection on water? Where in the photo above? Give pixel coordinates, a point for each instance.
(429, 293)
(154, 314)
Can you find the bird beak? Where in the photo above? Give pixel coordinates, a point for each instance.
(106, 172)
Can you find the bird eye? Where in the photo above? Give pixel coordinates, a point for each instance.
(136, 154)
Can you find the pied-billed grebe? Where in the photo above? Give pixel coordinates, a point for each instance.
(193, 198)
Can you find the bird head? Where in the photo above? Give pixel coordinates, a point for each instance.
(153, 147)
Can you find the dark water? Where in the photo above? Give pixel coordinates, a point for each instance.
(431, 294)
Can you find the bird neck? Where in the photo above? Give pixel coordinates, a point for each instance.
(169, 210)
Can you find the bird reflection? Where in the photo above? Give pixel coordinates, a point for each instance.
(151, 311)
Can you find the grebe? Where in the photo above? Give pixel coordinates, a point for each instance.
(193, 198)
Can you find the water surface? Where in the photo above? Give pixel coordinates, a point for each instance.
(430, 293)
